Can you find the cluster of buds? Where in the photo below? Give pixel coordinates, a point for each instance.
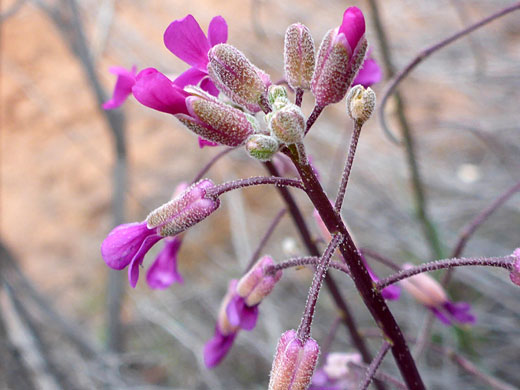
(239, 309)
(294, 362)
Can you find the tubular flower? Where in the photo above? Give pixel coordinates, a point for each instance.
(235, 76)
(127, 244)
(217, 348)
(336, 373)
(340, 57)
(294, 362)
(430, 293)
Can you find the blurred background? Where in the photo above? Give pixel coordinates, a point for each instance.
(70, 172)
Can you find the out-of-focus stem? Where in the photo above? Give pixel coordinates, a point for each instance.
(421, 208)
(372, 369)
(210, 163)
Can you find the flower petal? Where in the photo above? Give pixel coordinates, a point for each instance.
(153, 89)
(186, 40)
(192, 76)
(123, 88)
(352, 26)
(217, 348)
(133, 269)
(217, 31)
(123, 242)
(369, 74)
(204, 142)
(207, 85)
(163, 272)
(460, 311)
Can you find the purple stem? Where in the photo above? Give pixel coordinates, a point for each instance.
(380, 258)
(425, 54)
(372, 298)
(301, 261)
(312, 118)
(299, 97)
(348, 166)
(304, 330)
(383, 377)
(333, 288)
(505, 262)
(265, 238)
(220, 189)
(211, 162)
(372, 369)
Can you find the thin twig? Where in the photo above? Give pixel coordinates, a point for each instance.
(210, 164)
(429, 51)
(372, 369)
(381, 376)
(220, 189)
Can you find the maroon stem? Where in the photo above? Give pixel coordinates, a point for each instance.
(333, 288)
(372, 298)
(301, 261)
(220, 189)
(299, 97)
(348, 166)
(304, 330)
(312, 118)
(500, 262)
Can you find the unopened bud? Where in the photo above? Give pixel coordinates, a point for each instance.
(293, 363)
(186, 210)
(425, 289)
(237, 77)
(256, 284)
(288, 124)
(215, 120)
(261, 146)
(277, 92)
(340, 56)
(299, 57)
(515, 272)
(361, 103)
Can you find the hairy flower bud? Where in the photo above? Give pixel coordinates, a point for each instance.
(515, 272)
(256, 284)
(261, 146)
(288, 124)
(277, 93)
(299, 56)
(340, 56)
(361, 103)
(188, 209)
(235, 76)
(215, 120)
(293, 363)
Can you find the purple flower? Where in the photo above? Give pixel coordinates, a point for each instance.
(218, 347)
(392, 292)
(126, 245)
(163, 271)
(240, 314)
(370, 72)
(186, 40)
(430, 293)
(123, 88)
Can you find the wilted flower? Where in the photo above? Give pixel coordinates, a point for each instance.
(430, 293)
(127, 244)
(293, 363)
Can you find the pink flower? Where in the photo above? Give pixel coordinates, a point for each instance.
(163, 271)
(127, 244)
(123, 88)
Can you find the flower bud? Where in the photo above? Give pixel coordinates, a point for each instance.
(293, 363)
(360, 103)
(237, 77)
(188, 209)
(340, 56)
(214, 120)
(425, 289)
(288, 124)
(256, 284)
(298, 56)
(515, 272)
(277, 92)
(261, 146)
